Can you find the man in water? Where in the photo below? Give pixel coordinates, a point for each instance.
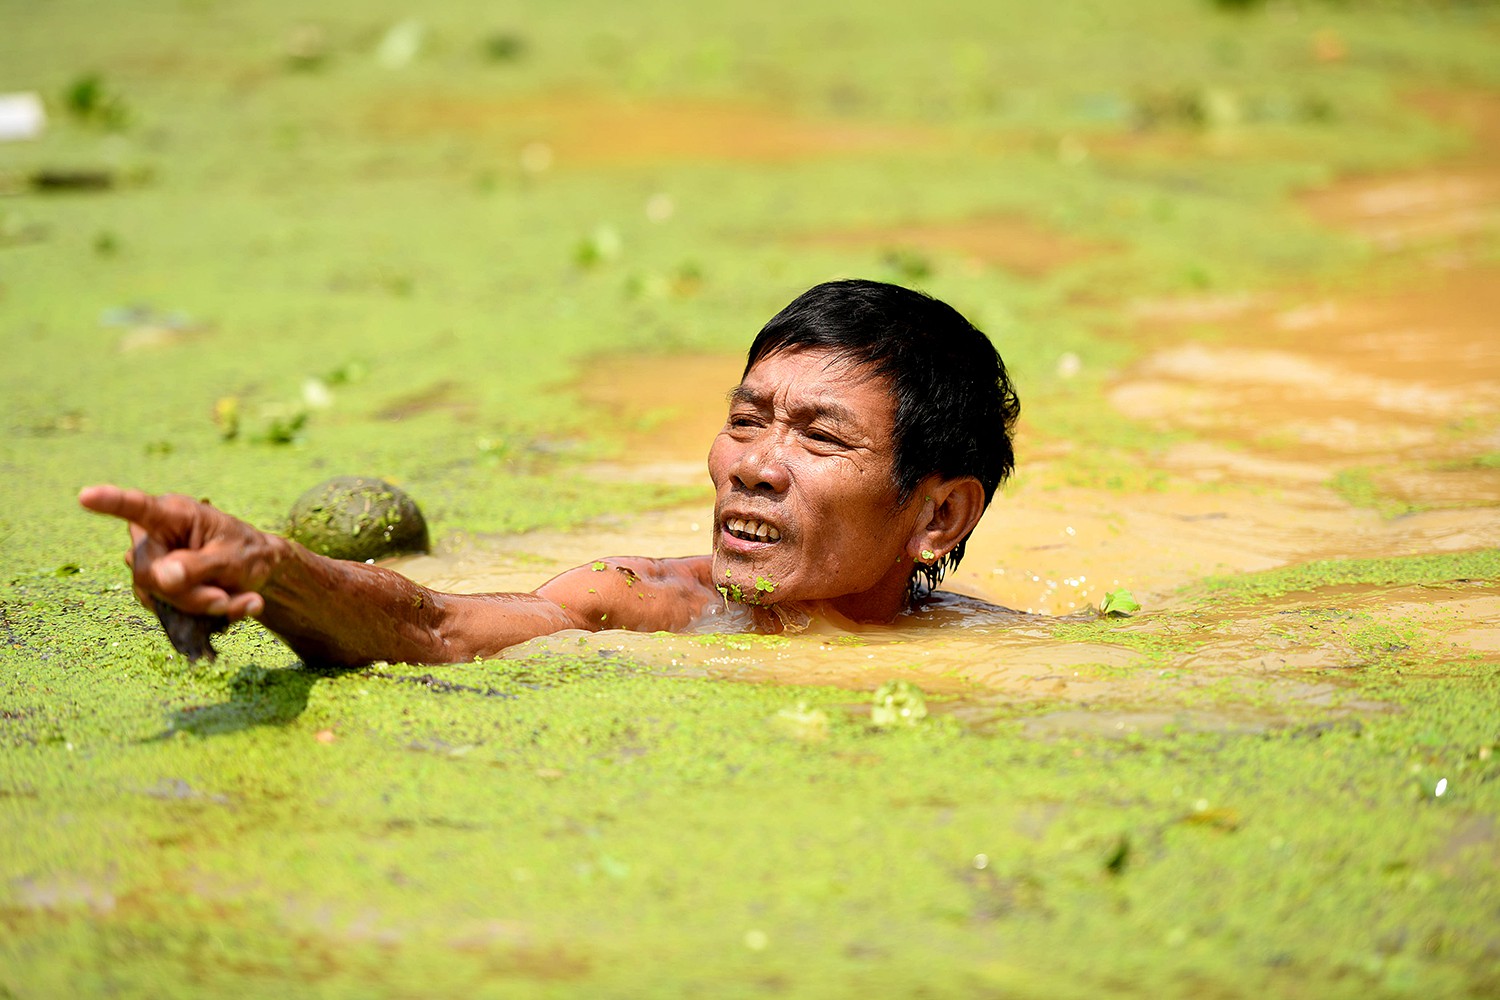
(867, 436)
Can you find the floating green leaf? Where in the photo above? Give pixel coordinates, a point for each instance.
(1119, 604)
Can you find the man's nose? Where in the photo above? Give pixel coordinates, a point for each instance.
(762, 465)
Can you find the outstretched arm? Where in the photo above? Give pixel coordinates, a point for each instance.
(203, 561)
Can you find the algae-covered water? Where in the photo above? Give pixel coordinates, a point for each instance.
(1242, 259)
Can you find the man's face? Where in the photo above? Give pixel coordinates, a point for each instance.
(806, 499)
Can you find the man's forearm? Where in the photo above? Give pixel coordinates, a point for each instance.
(348, 614)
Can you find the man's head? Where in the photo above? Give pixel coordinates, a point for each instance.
(946, 407)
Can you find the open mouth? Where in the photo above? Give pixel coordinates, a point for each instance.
(751, 530)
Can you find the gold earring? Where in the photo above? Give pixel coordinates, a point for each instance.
(928, 555)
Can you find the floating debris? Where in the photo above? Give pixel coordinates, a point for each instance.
(22, 116)
(62, 179)
(92, 101)
(504, 46)
(190, 635)
(306, 47)
(898, 703)
(1119, 604)
(359, 518)
(401, 45)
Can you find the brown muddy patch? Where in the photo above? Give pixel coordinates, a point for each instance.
(1364, 372)
(1386, 398)
(665, 411)
(596, 130)
(1456, 201)
(1010, 242)
(1300, 400)
(1388, 388)
(1245, 668)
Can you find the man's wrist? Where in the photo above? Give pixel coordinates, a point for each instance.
(283, 559)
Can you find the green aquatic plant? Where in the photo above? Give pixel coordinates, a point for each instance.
(257, 827)
(1437, 568)
(810, 725)
(1359, 488)
(897, 703)
(1119, 603)
(742, 641)
(92, 100)
(734, 592)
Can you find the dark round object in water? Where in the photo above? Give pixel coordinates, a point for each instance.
(356, 517)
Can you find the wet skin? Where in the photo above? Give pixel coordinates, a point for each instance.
(806, 458)
(804, 477)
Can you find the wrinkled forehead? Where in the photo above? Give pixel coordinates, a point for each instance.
(823, 380)
(823, 367)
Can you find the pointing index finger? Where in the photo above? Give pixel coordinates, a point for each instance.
(132, 505)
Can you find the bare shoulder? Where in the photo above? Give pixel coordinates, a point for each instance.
(635, 592)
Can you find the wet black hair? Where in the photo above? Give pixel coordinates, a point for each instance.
(956, 408)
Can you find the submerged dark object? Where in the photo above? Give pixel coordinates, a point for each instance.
(63, 179)
(191, 635)
(358, 517)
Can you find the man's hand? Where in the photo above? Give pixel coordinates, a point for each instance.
(195, 558)
(203, 562)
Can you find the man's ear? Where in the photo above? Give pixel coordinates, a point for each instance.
(950, 510)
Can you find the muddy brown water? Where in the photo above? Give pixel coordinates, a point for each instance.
(1395, 380)
(587, 130)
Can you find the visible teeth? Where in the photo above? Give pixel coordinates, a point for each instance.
(752, 530)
